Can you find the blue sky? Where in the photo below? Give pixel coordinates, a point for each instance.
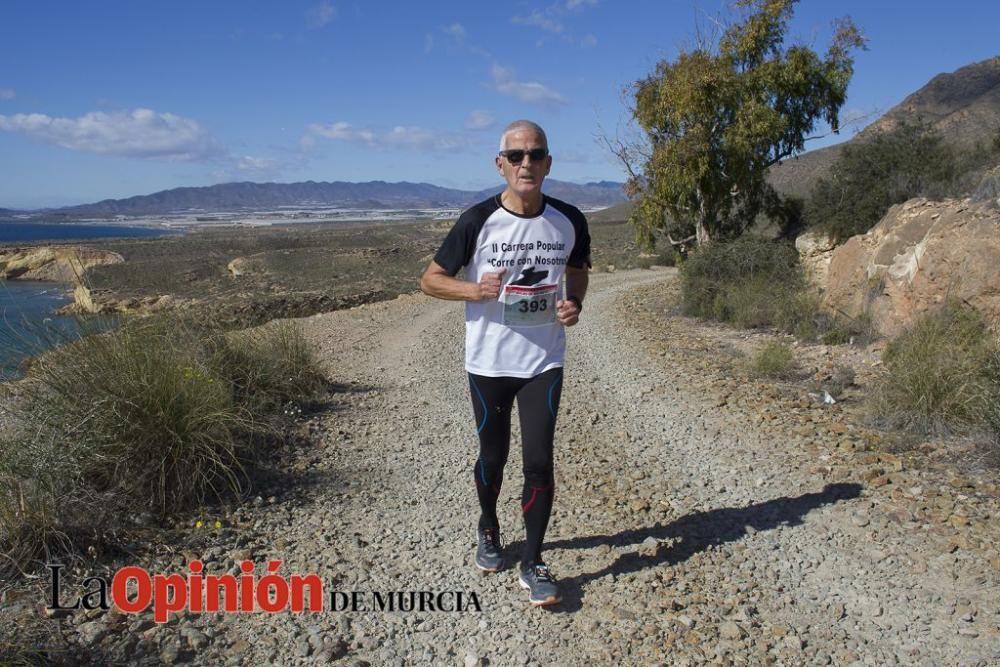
(114, 98)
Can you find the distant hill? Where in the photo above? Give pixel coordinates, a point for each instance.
(963, 105)
(588, 195)
(368, 195)
(616, 213)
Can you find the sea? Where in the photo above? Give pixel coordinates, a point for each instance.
(28, 323)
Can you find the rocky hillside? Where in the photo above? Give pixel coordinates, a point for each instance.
(963, 105)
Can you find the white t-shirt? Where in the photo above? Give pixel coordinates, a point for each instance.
(517, 334)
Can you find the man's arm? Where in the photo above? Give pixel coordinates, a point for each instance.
(577, 280)
(438, 283)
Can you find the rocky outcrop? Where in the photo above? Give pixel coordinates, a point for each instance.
(988, 190)
(815, 252)
(87, 303)
(919, 254)
(56, 263)
(242, 266)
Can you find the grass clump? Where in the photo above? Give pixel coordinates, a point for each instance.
(269, 369)
(942, 375)
(774, 360)
(153, 417)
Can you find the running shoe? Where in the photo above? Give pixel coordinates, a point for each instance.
(489, 551)
(542, 589)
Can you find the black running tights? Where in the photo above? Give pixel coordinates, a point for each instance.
(537, 407)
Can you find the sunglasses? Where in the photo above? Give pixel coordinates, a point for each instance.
(516, 155)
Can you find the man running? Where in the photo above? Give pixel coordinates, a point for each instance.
(516, 247)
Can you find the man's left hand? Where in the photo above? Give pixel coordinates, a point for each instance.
(567, 312)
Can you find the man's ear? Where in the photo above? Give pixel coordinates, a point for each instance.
(499, 162)
(548, 164)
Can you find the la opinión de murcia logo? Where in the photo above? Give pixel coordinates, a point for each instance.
(133, 590)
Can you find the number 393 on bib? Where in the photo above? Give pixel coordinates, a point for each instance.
(533, 306)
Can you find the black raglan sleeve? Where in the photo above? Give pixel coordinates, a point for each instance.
(460, 243)
(579, 255)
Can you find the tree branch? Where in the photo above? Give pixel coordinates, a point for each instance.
(682, 241)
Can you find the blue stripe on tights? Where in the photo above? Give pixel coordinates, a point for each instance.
(552, 388)
(482, 400)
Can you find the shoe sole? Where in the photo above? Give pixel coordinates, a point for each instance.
(556, 599)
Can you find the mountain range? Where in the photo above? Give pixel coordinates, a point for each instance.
(963, 105)
(340, 194)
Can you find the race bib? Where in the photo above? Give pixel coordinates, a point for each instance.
(532, 306)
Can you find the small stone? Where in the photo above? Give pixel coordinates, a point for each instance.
(900, 515)
(968, 632)
(169, 652)
(472, 660)
(730, 630)
(195, 638)
(860, 520)
(92, 632)
(879, 482)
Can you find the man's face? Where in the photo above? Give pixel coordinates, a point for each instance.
(525, 178)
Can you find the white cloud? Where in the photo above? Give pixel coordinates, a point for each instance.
(573, 4)
(140, 133)
(249, 163)
(536, 18)
(532, 92)
(7, 93)
(479, 120)
(588, 41)
(321, 14)
(340, 130)
(456, 30)
(423, 139)
(399, 137)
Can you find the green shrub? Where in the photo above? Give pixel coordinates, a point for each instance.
(774, 360)
(942, 375)
(888, 168)
(732, 281)
(874, 174)
(754, 282)
(154, 416)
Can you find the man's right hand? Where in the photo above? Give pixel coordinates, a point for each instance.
(489, 285)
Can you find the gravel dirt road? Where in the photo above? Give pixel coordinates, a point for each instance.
(687, 529)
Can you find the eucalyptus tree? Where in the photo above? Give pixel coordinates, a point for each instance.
(716, 117)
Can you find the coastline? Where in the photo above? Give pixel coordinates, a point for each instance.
(29, 323)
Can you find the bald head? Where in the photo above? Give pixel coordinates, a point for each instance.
(521, 126)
